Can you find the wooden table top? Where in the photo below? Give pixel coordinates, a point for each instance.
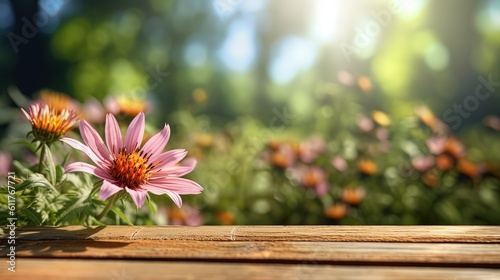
(254, 252)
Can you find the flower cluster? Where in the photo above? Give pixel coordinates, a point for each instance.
(127, 165)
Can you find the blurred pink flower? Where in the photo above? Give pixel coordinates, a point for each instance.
(93, 111)
(313, 178)
(436, 145)
(345, 78)
(339, 163)
(125, 166)
(284, 156)
(364, 123)
(311, 148)
(422, 163)
(185, 216)
(382, 133)
(5, 163)
(492, 121)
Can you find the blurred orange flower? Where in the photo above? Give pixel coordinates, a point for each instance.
(200, 95)
(129, 106)
(284, 156)
(314, 178)
(469, 168)
(430, 179)
(365, 84)
(444, 162)
(353, 196)
(336, 211)
(367, 166)
(204, 140)
(59, 101)
(425, 115)
(226, 218)
(454, 147)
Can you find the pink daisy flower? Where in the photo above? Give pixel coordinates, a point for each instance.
(125, 166)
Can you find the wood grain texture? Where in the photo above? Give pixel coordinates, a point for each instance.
(421, 254)
(426, 234)
(255, 252)
(64, 269)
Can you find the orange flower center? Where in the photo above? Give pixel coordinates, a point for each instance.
(131, 169)
(50, 122)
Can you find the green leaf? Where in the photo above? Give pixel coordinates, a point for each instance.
(25, 172)
(121, 215)
(59, 174)
(151, 205)
(95, 221)
(35, 180)
(51, 167)
(33, 216)
(18, 98)
(78, 206)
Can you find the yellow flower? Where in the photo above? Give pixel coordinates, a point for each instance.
(381, 118)
(49, 125)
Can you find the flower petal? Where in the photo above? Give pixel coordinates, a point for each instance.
(168, 158)
(138, 196)
(178, 185)
(108, 189)
(94, 141)
(157, 143)
(88, 168)
(113, 134)
(135, 132)
(322, 188)
(79, 146)
(26, 114)
(158, 190)
(186, 166)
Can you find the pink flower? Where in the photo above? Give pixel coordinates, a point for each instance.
(311, 148)
(436, 145)
(313, 178)
(125, 166)
(422, 163)
(339, 163)
(5, 163)
(364, 123)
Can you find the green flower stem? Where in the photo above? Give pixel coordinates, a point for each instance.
(42, 155)
(110, 204)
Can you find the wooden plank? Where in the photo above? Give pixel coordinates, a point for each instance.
(361, 253)
(440, 234)
(63, 269)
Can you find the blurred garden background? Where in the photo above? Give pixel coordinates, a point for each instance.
(297, 111)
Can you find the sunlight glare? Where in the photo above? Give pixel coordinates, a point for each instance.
(324, 20)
